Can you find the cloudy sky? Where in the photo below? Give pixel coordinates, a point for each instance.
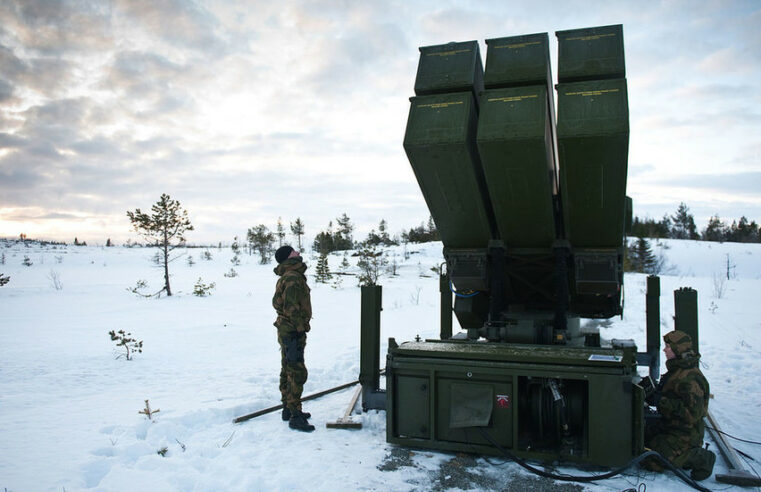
(246, 111)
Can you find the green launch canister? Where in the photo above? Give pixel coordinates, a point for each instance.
(593, 141)
(591, 54)
(440, 142)
(515, 144)
(452, 67)
(517, 60)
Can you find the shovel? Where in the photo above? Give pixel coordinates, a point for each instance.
(346, 422)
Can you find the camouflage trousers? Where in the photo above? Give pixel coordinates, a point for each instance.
(674, 446)
(293, 371)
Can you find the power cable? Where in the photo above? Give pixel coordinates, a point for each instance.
(733, 437)
(465, 296)
(592, 478)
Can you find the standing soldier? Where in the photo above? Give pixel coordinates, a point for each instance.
(682, 402)
(294, 310)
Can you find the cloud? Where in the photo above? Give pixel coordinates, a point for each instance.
(246, 112)
(176, 22)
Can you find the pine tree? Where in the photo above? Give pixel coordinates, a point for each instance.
(343, 239)
(371, 263)
(261, 240)
(322, 271)
(683, 224)
(280, 232)
(324, 241)
(344, 263)
(716, 230)
(297, 229)
(641, 257)
(165, 227)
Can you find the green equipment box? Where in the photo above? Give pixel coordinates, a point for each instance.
(518, 60)
(451, 395)
(440, 142)
(516, 148)
(591, 54)
(593, 143)
(451, 67)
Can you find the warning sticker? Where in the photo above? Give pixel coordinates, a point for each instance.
(503, 401)
(605, 358)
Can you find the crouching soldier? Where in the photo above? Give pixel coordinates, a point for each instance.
(682, 402)
(294, 310)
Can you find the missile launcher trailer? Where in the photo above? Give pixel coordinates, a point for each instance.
(531, 210)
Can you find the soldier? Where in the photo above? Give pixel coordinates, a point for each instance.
(294, 310)
(682, 401)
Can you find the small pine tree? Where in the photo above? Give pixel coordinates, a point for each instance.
(201, 289)
(125, 340)
(108, 243)
(345, 265)
(191, 261)
(206, 255)
(371, 263)
(4, 279)
(27, 261)
(322, 271)
(297, 229)
(280, 232)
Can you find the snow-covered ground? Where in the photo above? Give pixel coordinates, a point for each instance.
(69, 408)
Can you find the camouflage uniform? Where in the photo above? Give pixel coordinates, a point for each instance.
(682, 403)
(294, 310)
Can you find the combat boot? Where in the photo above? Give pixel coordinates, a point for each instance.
(287, 414)
(299, 422)
(701, 461)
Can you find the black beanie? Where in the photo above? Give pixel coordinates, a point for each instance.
(282, 253)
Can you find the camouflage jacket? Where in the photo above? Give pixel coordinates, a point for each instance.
(292, 300)
(684, 397)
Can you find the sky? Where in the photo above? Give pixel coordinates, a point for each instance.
(249, 111)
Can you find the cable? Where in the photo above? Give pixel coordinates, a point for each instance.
(733, 437)
(464, 296)
(592, 478)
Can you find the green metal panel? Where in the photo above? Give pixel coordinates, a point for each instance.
(412, 404)
(440, 145)
(445, 307)
(593, 141)
(517, 60)
(610, 409)
(589, 357)
(515, 145)
(369, 359)
(452, 67)
(591, 53)
(686, 314)
(653, 323)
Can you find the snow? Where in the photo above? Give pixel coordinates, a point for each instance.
(69, 407)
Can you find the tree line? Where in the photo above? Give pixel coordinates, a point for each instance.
(681, 225)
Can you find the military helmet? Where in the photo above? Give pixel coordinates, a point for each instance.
(679, 341)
